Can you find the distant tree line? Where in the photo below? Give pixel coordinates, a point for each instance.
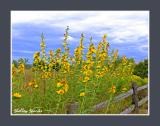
(141, 69)
(22, 60)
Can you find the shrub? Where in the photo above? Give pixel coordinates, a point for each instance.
(141, 69)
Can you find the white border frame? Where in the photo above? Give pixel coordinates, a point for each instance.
(148, 114)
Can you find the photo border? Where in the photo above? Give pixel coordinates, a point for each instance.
(148, 90)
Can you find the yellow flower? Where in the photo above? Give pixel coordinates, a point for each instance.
(17, 95)
(124, 60)
(124, 89)
(13, 70)
(63, 86)
(78, 62)
(105, 35)
(98, 67)
(86, 79)
(59, 84)
(93, 50)
(30, 84)
(21, 68)
(66, 87)
(84, 67)
(51, 53)
(60, 92)
(42, 44)
(88, 61)
(82, 94)
(46, 67)
(112, 89)
(100, 74)
(105, 69)
(87, 73)
(36, 55)
(35, 86)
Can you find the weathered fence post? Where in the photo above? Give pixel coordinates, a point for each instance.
(135, 96)
(72, 108)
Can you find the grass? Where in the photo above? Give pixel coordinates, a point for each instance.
(32, 98)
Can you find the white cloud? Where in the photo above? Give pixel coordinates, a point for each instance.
(120, 25)
(70, 38)
(24, 51)
(143, 48)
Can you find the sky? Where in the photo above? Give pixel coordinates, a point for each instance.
(127, 31)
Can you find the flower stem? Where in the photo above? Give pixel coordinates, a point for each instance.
(59, 100)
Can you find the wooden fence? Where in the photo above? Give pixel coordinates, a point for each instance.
(73, 107)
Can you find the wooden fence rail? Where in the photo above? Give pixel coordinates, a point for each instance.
(132, 107)
(135, 102)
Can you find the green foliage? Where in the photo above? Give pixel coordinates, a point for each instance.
(139, 81)
(141, 69)
(119, 60)
(15, 62)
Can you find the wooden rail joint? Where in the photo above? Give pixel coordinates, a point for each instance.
(135, 96)
(72, 108)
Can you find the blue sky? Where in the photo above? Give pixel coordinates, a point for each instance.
(128, 31)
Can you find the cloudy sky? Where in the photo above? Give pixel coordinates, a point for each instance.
(128, 31)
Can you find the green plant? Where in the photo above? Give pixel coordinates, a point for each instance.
(141, 69)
